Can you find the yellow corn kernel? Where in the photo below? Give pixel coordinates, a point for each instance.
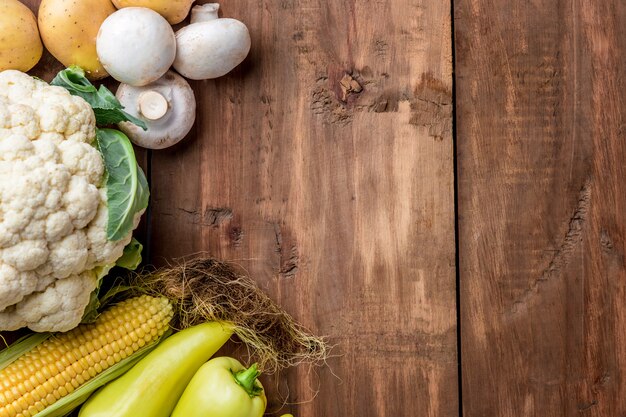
(98, 367)
(11, 411)
(61, 364)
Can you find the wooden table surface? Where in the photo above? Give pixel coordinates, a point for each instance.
(474, 268)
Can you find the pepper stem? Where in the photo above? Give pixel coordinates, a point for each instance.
(247, 380)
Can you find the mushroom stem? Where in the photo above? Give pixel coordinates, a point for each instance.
(152, 105)
(204, 13)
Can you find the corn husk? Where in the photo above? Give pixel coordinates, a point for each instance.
(20, 347)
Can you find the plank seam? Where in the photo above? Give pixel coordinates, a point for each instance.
(456, 219)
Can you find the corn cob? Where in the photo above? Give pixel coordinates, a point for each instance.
(63, 363)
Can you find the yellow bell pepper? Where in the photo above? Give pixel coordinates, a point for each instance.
(223, 387)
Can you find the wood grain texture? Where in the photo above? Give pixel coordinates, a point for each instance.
(542, 196)
(324, 166)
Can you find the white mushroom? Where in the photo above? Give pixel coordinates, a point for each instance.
(136, 45)
(168, 107)
(210, 47)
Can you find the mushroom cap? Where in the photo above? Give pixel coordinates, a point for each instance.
(136, 45)
(173, 126)
(211, 49)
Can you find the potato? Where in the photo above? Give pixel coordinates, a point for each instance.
(174, 11)
(69, 29)
(20, 46)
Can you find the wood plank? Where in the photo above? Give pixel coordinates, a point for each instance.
(324, 166)
(541, 151)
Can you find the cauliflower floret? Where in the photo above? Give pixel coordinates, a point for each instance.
(81, 161)
(81, 201)
(50, 309)
(53, 211)
(15, 285)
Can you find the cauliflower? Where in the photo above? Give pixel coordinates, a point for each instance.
(53, 206)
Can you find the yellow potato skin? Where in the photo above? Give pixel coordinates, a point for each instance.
(174, 11)
(69, 29)
(20, 46)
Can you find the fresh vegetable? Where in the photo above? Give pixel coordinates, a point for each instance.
(54, 210)
(69, 28)
(210, 47)
(174, 11)
(161, 376)
(136, 45)
(20, 45)
(167, 106)
(222, 387)
(49, 375)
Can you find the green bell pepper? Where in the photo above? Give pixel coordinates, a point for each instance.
(153, 386)
(223, 387)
